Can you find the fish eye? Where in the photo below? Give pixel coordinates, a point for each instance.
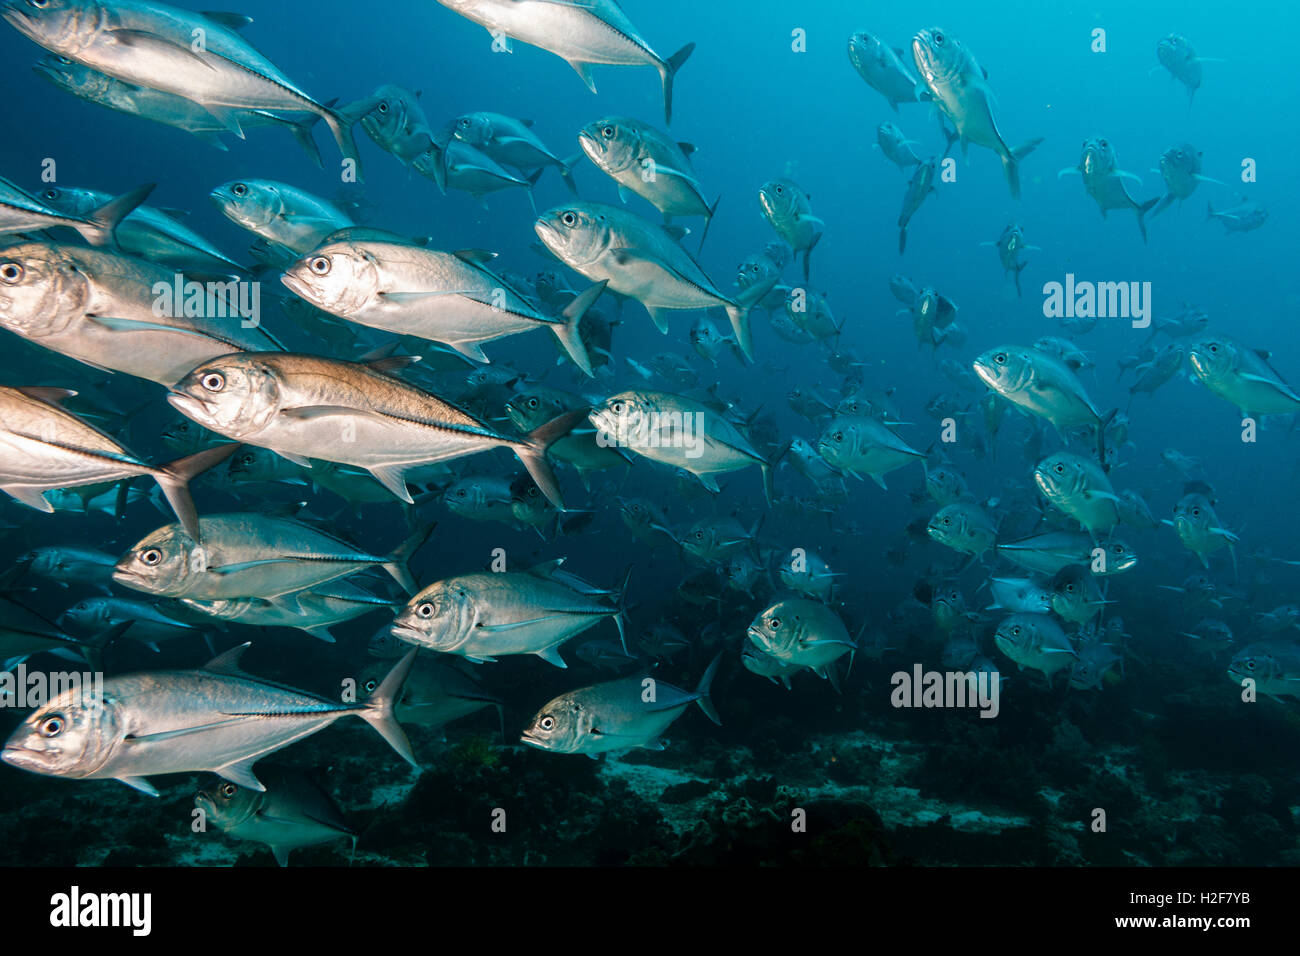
(1118, 548)
(569, 219)
(780, 190)
(775, 623)
(1103, 144)
(532, 403)
(947, 520)
(52, 726)
(1059, 469)
(1015, 631)
(547, 723)
(213, 381)
(247, 459)
(10, 273)
(1250, 664)
(370, 685)
(607, 132)
(460, 493)
(229, 789)
(39, 4)
(1069, 589)
(151, 557)
(839, 436)
(426, 610)
(1214, 348)
(617, 407)
(50, 194)
(383, 107)
(320, 265)
(699, 536)
(1196, 512)
(239, 189)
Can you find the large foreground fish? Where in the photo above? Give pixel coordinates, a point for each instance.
(44, 446)
(104, 310)
(960, 88)
(302, 407)
(1242, 376)
(199, 56)
(453, 298)
(583, 33)
(216, 718)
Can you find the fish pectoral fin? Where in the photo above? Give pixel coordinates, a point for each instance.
(402, 298)
(552, 656)
(185, 732)
(32, 497)
(141, 784)
(393, 477)
(582, 69)
(471, 350)
(307, 412)
(118, 324)
(241, 772)
(138, 38)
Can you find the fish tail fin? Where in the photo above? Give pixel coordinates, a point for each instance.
(1019, 269)
(705, 686)
(566, 171)
(902, 238)
(1209, 209)
(708, 221)
(1142, 210)
(738, 314)
(1102, 425)
(377, 709)
(174, 479)
(620, 602)
(341, 121)
(1011, 165)
(532, 183)
(301, 131)
(950, 138)
(92, 649)
(769, 489)
(669, 70)
(1165, 202)
(397, 562)
(532, 451)
(568, 332)
(101, 229)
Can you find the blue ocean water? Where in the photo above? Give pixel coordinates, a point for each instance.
(1169, 741)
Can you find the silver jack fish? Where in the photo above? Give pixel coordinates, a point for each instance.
(960, 88)
(217, 718)
(199, 56)
(44, 446)
(22, 212)
(618, 715)
(302, 406)
(583, 33)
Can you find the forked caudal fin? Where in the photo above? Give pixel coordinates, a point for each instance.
(1011, 165)
(1141, 211)
(174, 480)
(569, 332)
(667, 71)
(377, 709)
(99, 231)
(396, 565)
(341, 121)
(532, 451)
(705, 685)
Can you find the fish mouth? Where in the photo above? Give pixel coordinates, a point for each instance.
(546, 232)
(298, 287)
(986, 373)
(410, 635)
(527, 738)
(190, 406)
(591, 146)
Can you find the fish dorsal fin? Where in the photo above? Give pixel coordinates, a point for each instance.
(231, 21)
(677, 232)
(547, 568)
(228, 662)
(50, 396)
(478, 257)
(392, 363)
